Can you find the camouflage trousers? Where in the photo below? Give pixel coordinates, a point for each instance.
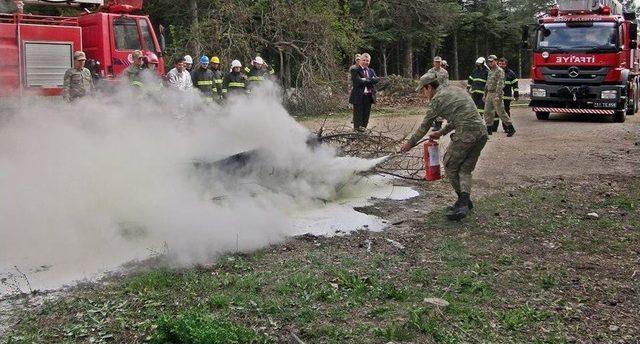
(494, 106)
(461, 158)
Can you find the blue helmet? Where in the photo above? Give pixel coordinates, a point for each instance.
(204, 59)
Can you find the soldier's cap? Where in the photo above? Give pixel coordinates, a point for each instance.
(137, 54)
(437, 59)
(426, 79)
(492, 58)
(480, 60)
(79, 55)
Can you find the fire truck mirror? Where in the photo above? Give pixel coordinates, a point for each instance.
(633, 31)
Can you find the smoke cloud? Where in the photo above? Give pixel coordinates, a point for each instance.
(88, 186)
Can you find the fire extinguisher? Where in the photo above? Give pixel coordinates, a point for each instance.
(432, 160)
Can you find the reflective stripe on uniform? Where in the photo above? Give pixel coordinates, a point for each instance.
(481, 111)
(236, 84)
(218, 81)
(478, 91)
(247, 69)
(204, 82)
(507, 98)
(256, 78)
(478, 80)
(137, 84)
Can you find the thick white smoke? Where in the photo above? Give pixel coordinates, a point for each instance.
(85, 187)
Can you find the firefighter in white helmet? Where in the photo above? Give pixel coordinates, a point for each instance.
(235, 81)
(258, 72)
(188, 63)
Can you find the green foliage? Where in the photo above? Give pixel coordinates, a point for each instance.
(194, 327)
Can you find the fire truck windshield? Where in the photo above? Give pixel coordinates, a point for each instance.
(582, 37)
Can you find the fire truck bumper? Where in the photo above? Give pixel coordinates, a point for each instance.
(578, 99)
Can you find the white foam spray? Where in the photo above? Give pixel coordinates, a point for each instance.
(88, 186)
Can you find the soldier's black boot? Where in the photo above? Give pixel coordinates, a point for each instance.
(461, 211)
(504, 127)
(451, 207)
(510, 130)
(490, 129)
(496, 123)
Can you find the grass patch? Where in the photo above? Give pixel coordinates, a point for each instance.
(516, 271)
(194, 327)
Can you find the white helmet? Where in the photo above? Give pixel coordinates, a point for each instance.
(480, 60)
(236, 63)
(258, 60)
(188, 59)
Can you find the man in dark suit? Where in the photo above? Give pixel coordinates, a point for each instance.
(363, 93)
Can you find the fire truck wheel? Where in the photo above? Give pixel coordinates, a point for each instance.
(619, 116)
(543, 116)
(633, 107)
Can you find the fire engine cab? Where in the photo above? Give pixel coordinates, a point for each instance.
(585, 60)
(36, 50)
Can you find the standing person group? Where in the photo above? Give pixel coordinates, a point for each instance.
(363, 92)
(206, 76)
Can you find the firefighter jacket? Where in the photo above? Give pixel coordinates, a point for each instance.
(495, 81)
(234, 83)
(202, 79)
(511, 91)
(218, 77)
(258, 75)
(478, 80)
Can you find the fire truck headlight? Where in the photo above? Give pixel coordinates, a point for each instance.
(609, 94)
(538, 92)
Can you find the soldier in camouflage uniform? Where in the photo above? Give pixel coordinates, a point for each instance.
(456, 106)
(493, 98)
(439, 71)
(443, 79)
(134, 71)
(77, 80)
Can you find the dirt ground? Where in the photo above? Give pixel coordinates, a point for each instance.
(565, 145)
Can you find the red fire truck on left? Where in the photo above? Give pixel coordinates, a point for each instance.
(36, 50)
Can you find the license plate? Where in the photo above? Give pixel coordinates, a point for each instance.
(605, 105)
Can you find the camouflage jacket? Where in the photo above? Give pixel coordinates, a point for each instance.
(443, 75)
(134, 74)
(77, 83)
(495, 81)
(456, 106)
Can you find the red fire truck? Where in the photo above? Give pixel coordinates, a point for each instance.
(36, 50)
(585, 60)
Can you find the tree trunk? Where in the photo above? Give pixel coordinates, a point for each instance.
(408, 58)
(456, 69)
(486, 46)
(476, 48)
(193, 11)
(398, 71)
(281, 54)
(519, 63)
(384, 60)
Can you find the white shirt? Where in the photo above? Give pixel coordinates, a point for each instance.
(180, 81)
